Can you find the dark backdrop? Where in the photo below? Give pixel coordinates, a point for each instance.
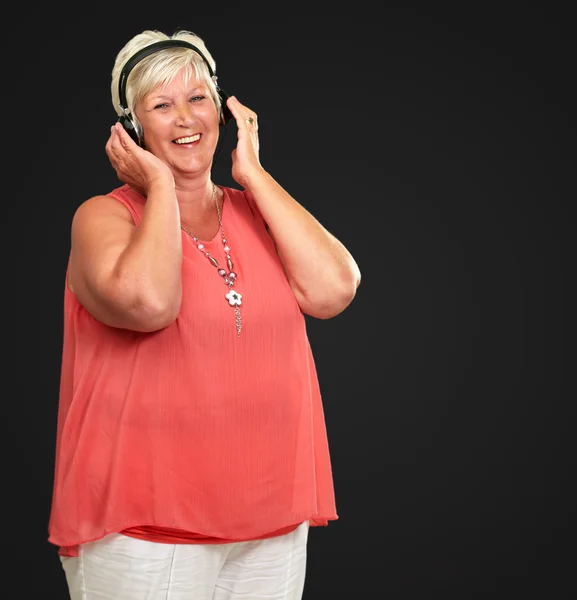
(439, 147)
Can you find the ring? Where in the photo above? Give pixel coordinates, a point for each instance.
(250, 120)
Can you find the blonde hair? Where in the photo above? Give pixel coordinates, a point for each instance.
(159, 68)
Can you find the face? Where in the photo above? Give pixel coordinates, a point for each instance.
(180, 124)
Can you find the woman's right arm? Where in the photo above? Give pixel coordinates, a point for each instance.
(129, 276)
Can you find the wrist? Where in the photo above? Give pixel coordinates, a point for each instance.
(160, 185)
(254, 179)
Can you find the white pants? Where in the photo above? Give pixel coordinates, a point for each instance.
(119, 567)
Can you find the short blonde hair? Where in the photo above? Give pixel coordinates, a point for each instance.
(159, 68)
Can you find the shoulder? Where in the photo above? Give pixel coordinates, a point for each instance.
(101, 205)
(242, 200)
(234, 194)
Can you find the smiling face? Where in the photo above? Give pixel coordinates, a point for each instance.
(180, 124)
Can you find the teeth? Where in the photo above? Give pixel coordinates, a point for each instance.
(188, 140)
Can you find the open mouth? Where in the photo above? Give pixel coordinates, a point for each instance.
(190, 139)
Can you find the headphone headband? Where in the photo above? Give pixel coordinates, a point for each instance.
(143, 53)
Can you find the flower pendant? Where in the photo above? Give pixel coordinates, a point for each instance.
(234, 298)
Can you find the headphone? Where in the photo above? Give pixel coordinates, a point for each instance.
(126, 119)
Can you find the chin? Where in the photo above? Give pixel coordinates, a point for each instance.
(192, 169)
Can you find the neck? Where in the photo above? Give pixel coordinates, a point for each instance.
(199, 213)
(196, 201)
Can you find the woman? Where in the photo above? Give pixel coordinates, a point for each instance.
(191, 455)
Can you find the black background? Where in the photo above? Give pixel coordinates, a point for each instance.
(439, 147)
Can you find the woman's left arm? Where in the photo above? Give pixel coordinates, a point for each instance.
(321, 272)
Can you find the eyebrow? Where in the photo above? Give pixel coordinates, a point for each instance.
(193, 90)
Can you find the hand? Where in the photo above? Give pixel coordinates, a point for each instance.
(245, 160)
(134, 165)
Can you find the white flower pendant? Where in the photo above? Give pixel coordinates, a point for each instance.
(234, 298)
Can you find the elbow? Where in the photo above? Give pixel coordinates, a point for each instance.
(147, 312)
(120, 303)
(150, 322)
(339, 303)
(355, 279)
(347, 290)
(153, 316)
(330, 304)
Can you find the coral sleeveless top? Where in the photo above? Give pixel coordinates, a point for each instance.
(191, 434)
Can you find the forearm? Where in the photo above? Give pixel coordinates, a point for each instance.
(321, 271)
(150, 267)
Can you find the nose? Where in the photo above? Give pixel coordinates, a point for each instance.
(184, 114)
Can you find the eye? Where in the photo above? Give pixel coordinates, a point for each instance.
(197, 98)
(163, 105)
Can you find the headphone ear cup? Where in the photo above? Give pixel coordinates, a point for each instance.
(131, 128)
(226, 114)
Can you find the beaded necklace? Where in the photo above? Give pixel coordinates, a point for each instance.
(230, 277)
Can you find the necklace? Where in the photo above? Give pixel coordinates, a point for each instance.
(230, 277)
